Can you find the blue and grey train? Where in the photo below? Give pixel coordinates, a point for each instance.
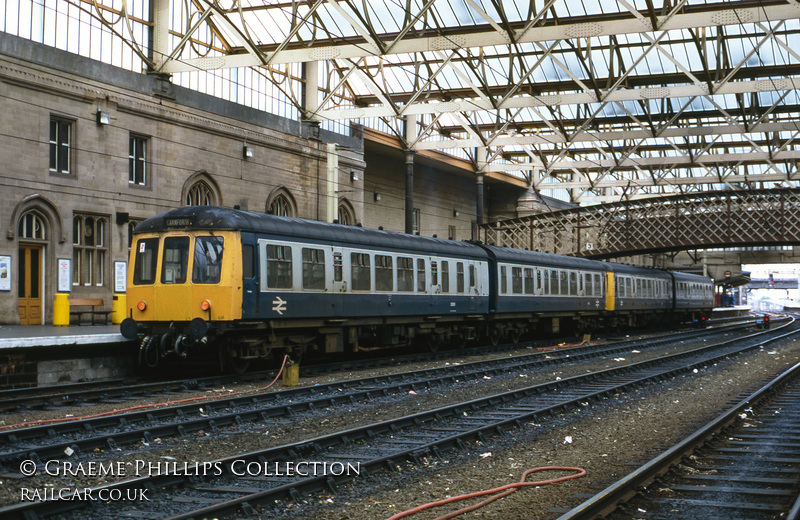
(243, 285)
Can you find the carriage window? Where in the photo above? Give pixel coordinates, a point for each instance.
(528, 281)
(598, 284)
(503, 280)
(516, 280)
(384, 274)
(638, 290)
(553, 282)
(207, 259)
(460, 277)
(421, 285)
(628, 288)
(313, 269)
(405, 274)
(588, 289)
(337, 267)
(539, 285)
(175, 261)
(445, 277)
(471, 276)
(359, 271)
(434, 273)
(279, 267)
(248, 261)
(144, 271)
(564, 289)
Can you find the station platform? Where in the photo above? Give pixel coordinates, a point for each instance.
(35, 336)
(730, 312)
(46, 355)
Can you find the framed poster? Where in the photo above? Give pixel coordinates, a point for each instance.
(64, 275)
(5, 273)
(120, 276)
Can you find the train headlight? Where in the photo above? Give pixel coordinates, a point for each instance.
(142, 305)
(205, 305)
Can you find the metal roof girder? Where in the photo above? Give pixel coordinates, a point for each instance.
(493, 38)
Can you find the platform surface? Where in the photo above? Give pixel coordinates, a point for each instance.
(23, 336)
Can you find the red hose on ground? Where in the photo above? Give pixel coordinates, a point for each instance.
(499, 492)
(563, 345)
(144, 406)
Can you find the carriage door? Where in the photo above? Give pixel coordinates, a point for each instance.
(30, 285)
(339, 282)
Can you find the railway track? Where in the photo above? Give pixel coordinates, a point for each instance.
(246, 481)
(121, 390)
(743, 465)
(115, 431)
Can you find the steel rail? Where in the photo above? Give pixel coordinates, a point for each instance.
(150, 424)
(479, 426)
(604, 502)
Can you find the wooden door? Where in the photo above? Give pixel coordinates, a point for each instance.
(30, 285)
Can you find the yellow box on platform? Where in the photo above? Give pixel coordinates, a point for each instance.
(61, 310)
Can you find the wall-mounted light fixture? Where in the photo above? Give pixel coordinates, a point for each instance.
(247, 151)
(377, 197)
(456, 213)
(102, 117)
(353, 176)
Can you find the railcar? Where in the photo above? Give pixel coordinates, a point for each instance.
(234, 286)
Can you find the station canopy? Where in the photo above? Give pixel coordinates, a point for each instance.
(586, 100)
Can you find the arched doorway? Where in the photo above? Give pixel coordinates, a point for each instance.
(32, 235)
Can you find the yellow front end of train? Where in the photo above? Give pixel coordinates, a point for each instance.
(185, 275)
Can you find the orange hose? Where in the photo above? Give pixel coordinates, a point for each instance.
(562, 345)
(145, 406)
(499, 492)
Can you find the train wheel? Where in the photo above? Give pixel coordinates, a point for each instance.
(435, 343)
(494, 337)
(238, 365)
(514, 335)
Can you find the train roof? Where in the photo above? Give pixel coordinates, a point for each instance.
(505, 254)
(216, 218)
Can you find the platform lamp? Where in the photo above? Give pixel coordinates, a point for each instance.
(102, 117)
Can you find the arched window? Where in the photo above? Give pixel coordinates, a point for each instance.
(345, 214)
(200, 194)
(281, 205)
(31, 226)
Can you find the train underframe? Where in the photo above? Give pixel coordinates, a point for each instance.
(234, 346)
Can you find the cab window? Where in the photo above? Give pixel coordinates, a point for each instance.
(207, 259)
(144, 266)
(175, 260)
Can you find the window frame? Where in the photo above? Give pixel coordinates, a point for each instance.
(96, 253)
(141, 158)
(58, 146)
